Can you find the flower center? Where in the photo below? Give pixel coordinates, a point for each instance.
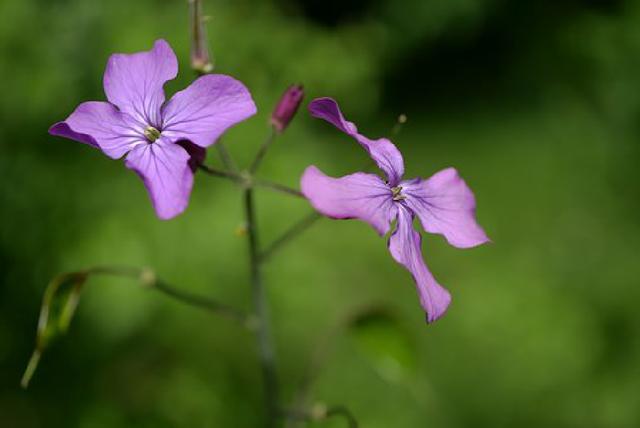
(151, 133)
(396, 193)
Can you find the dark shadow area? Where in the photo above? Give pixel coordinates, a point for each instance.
(512, 52)
(330, 13)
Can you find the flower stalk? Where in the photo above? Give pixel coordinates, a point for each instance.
(262, 151)
(147, 278)
(247, 180)
(293, 232)
(200, 58)
(260, 306)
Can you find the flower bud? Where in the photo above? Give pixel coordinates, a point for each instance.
(287, 107)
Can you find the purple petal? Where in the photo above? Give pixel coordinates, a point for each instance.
(405, 245)
(385, 154)
(206, 109)
(61, 129)
(134, 82)
(101, 125)
(362, 196)
(164, 168)
(445, 205)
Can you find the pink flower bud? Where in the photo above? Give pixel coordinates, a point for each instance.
(287, 107)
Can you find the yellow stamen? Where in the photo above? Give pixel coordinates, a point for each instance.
(396, 192)
(151, 133)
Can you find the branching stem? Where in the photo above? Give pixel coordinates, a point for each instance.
(148, 278)
(246, 180)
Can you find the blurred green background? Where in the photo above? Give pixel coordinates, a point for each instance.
(536, 103)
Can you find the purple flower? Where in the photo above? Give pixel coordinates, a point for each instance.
(163, 141)
(443, 204)
(287, 107)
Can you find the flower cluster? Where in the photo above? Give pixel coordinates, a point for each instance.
(164, 142)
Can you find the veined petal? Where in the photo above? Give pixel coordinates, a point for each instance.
(384, 153)
(445, 205)
(101, 125)
(206, 109)
(362, 196)
(164, 168)
(134, 82)
(405, 245)
(62, 129)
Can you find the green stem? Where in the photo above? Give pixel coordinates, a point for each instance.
(263, 333)
(214, 172)
(262, 151)
(225, 157)
(291, 233)
(246, 180)
(148, 278)
(277, 187)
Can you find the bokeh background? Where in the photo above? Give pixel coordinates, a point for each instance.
(536, 103)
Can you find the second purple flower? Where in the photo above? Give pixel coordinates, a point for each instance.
(443, 203)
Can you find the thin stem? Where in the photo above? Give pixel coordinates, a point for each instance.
(148, 278)
(278, 187)
(225, 157)
(247, 180)
(203, 303)
(200, 59)
(298, 228)
(263, 333)
(214, 172)
(262, 151)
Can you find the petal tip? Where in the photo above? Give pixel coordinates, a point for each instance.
(321, 102)
(161, 42)
(56, 128)
(62, 129)
(437, 313)
(166, 216)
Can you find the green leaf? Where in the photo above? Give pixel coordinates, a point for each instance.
(59, 304)
(385, 343)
